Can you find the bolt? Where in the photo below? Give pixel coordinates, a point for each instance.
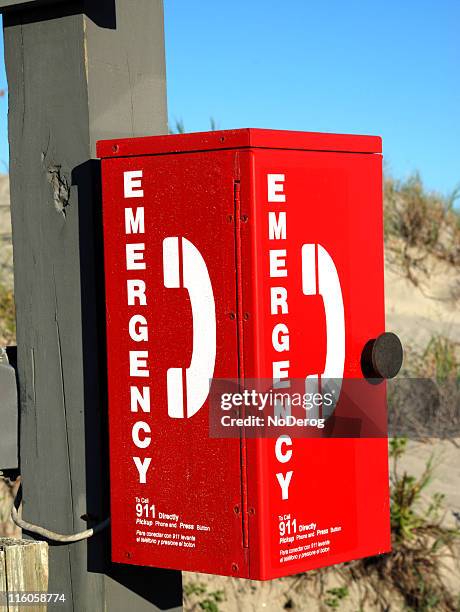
(234, 567)
(246, 316)
(232, 315)
(230, 218)
(115, 148)
(236, 509)
(244, 218)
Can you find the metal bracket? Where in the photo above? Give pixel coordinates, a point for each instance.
(9, 412)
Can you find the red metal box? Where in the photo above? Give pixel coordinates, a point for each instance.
(245, 254)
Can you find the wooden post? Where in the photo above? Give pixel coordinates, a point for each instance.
(77, 72)
(23, 569)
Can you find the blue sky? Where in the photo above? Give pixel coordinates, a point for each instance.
(388, 68)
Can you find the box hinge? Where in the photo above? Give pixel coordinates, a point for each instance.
(241, 376)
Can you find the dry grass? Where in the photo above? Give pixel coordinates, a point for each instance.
(424, 403)
(441, 360)
(421, 543)
(419, 223)
(7, 317)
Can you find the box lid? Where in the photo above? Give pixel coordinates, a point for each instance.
(238, 139)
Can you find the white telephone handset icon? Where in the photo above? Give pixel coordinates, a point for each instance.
(319, 276)
(196, 280)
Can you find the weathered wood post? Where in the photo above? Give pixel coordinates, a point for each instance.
(23, 571)
(77, 71)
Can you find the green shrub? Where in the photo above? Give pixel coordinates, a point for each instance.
(420, 541)
(197, 597)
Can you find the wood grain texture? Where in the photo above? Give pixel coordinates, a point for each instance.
(2, 577)
(25, 569)
(55, 64)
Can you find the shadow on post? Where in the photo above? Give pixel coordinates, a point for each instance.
(101, 12)
(160, 587)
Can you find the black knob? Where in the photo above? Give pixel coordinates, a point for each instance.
(382, 357)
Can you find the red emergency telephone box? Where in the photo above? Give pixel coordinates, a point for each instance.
(234, 255)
